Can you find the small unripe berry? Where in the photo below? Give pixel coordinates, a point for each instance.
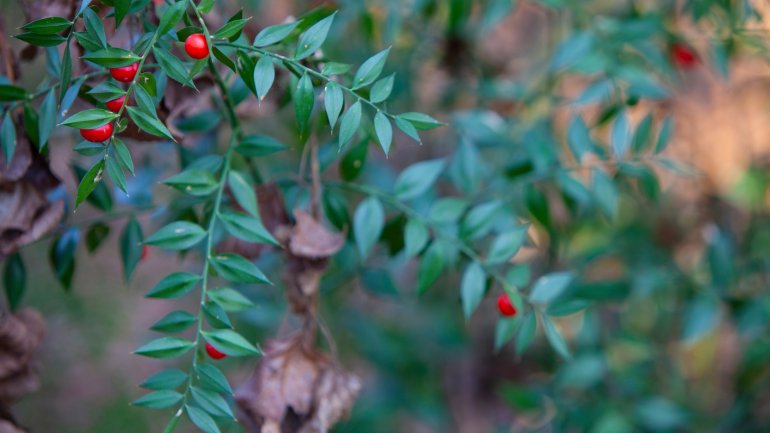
(213, 352)
(98, 134)
(504, 306)
(115, 104)
(196, 46)
(125, 74)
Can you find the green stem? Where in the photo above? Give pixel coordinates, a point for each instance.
(309, 71)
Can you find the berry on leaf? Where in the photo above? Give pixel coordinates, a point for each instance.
(505, 306)
(196, 46)
(98, 134)
(115, 104)
(213, 352)
(125, 74)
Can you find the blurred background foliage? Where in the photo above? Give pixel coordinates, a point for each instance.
(632, 135)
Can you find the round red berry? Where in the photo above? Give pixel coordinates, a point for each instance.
(98, 134)
(115, 104)
(145, 252)
(683, 55)
(196, 46)
(125, 74)
(504, 305)
(213, 352)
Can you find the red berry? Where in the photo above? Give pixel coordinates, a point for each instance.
(99, 134)
(683, 55)
(125, 74)
(213, 352)
(115, 104)
(196, 46)
(145, 252)
(504, 306)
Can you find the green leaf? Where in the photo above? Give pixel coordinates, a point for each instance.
(247, 228)
(131, 247)
(212, 378)
(701, 316)
(572, 50)
(549, 287)
(243, 192)
(420, 121)
(66, 94)
(555, 338)
(47, 26)
(312, 39)
(621, 135)
(384, 131)
(112, 57)
(41, 40)
(642, 134)
(123, 155)
(144, 101)
(174, 285)
(664, 135)
(211, 402)
(173, 322)
(62, 256)
(472, 288)
(173, 67)
(10, 93)
(304, 97)
(479, 220)
(264, 75)
(605, 193)
(526, 333)
(230, 343)
(165, 347)
(89, 182)
(231, 28)
(506, 245)
(149, 124)
(179, 235)
(14, 280)
(431, 266)
(237, 269)
(382, 89)
(194, 181)
(418, 178)
(106, 91)
(333, 102)
(370, 69)
(579, 138)
(349, 123)
(334, 68)
(165, 379)
(121, 9)
(8, 138)
(504, 330)
(259, 145)
(407, 128)
(116, 174)
(95, 235)
(201, 419)
(229, 299)
(274, 34)
(368, 223)
(94, 26)
(159, 399)
(87, 41)
(216, 316)
(416, 236)
(448, 210)
(89, 119)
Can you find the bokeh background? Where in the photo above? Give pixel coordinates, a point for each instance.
(675, 278)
